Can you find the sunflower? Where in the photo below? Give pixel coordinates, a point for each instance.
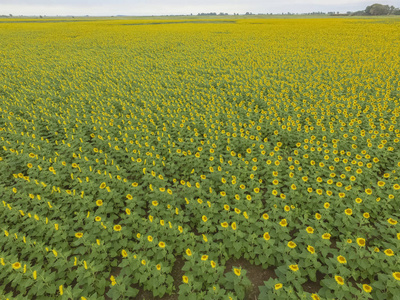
(360, 242)
(266, 236)
(310, 249)
(341, 259)
(99, 202)
(161, 244)
(278, 286)
(188, 252)
(326, 236)
(224, 224)
(294, 268)
(124, 253)
(234, 226)
(315, 297)
(291, 245)
(283, 223)
(392, 221)
(16, 265)
(339, 279)
(213, 264)
(79, 235)
(117, 227)
(185, 279)
(396, 275)
(367, 288)
(348, 211)
(389, 252)
(236, 271)
(310, 229)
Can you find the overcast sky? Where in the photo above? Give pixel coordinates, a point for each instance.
(168, 7)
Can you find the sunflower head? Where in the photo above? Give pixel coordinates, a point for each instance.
(310, 249)
(339, 279)
(294, 268)
(367, 288)
(237, 271)
(360, 242)
(16, 265)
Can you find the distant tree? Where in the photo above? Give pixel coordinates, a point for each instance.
(377, 9)
(359, 13)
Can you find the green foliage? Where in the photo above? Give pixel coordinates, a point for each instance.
(150, 158)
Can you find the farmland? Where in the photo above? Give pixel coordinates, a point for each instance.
(156, 159)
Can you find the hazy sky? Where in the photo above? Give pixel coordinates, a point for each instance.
(165, 7)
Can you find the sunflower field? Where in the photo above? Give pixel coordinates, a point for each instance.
(129, 145)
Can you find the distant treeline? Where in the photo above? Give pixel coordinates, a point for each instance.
(372, 10)
(377, 10)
